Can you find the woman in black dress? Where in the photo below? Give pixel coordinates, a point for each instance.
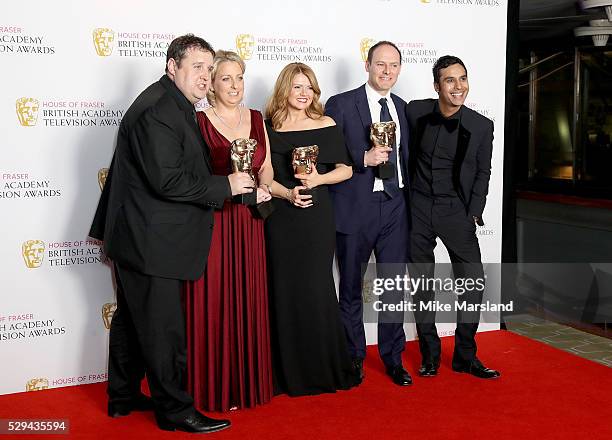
(309, 351)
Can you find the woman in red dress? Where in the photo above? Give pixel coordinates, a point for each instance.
(228, 339)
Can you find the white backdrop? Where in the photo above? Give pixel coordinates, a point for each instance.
(63, 97)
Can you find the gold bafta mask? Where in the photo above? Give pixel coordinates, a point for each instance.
(37, 384)
(304, 159)
(383, 133)
(103, 39)
(367, 292)
(27, 111)
(102, 175)
(242, 156)
(244, 46)
(364, 47)
(108, 310)
(33, 252)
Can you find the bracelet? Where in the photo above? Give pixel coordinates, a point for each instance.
(288, 195)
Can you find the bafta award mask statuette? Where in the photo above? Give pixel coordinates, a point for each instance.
(383, 134)
(304, 160)
(242, 151)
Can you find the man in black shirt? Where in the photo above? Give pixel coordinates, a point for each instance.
(450, 166)
(155, 216)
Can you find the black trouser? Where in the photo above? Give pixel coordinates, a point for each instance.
(445, 218)
(147, 334)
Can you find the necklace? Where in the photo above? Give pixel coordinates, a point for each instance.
(227, 125)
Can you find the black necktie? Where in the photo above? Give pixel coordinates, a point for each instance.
(385, 114)
(391, 185)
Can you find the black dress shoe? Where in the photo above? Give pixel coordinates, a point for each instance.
(399, 376)
(429, 368)
(138, 403)
(475, 368)
(196, 422)
(358, 367)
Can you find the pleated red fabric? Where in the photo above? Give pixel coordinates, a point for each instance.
(228, 337)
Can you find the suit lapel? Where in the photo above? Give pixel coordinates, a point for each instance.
(421, 123)
(198, 135)
(463, 142)
(464, 137)
(405, 132)
(363, 108)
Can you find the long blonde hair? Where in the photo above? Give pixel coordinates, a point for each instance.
(222, 56)
(277, 108)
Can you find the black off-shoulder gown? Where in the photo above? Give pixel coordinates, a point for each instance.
(309, 349)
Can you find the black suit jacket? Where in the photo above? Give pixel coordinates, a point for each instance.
(351, 112)
(472, 167)
(155, 214)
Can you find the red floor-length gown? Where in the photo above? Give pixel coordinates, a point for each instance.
(228, 338)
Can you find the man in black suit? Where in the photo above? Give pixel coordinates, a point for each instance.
(156, 217)
(450, 167)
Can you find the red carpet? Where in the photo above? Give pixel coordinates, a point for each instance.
(543, 393)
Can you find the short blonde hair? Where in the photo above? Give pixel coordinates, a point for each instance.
(277, 108)
(222, 56)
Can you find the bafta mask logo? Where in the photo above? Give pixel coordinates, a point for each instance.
(102, 175)
(37, 384)
(383, 133)
(108, 310)
(103, 39)
(367, 292)
(27, 111)
(244, 46)
(364, 47)
(33, 252)
(304, 159)
(242, 151)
